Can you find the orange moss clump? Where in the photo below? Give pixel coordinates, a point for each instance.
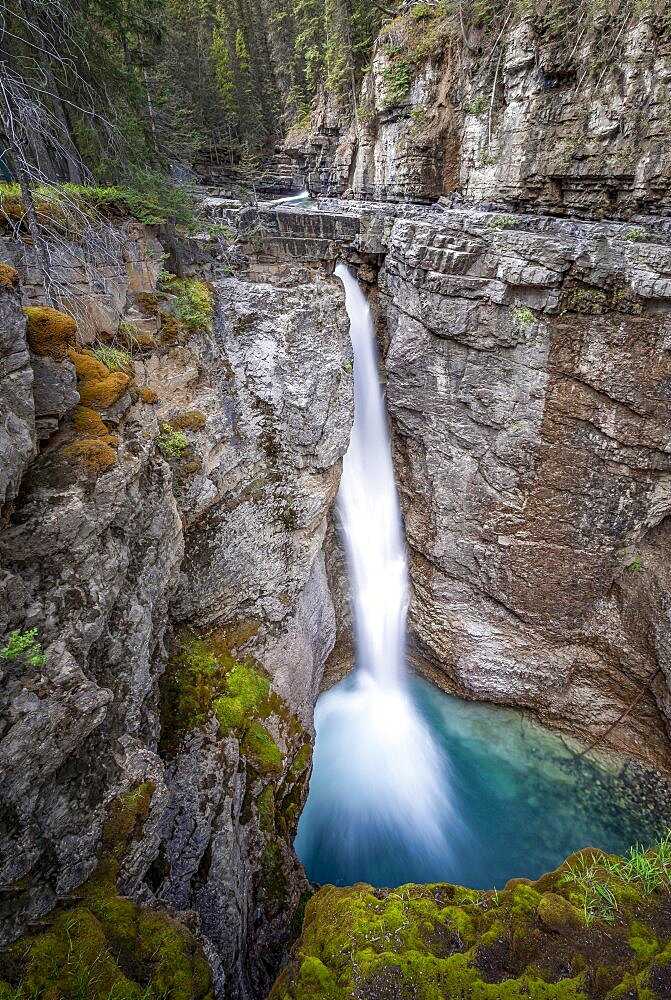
(97, 385)
(92, 454)
(50, 332)
(9, 277)
(188, 420)
(171, 328)
(148, 303)
(89, 422)
(148, 395)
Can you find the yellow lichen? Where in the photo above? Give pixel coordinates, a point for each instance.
(92, 454)
(148, 395)
(9, 277)
(50, 332)
(97, 385)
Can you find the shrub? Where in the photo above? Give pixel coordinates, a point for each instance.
(478, 106)
(524, 317)
(636, 234)
(172, 443)
(194, 305)
(397, 77)
(501, 222)
(50, 332)
(420, 10)
(24, 646)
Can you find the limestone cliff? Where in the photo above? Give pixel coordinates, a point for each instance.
(525, 118)
(165, 542)
(528, 376)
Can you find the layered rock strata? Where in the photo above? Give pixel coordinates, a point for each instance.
(178, 503)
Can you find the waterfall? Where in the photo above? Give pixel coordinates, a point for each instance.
(379, 797)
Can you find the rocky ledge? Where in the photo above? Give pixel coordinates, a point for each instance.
(595, 929)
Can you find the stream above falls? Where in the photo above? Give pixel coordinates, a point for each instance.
(520, 801)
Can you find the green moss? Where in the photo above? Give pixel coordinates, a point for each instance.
(525, 941)
(203, 677)
(315, 980)
(111, 950)
(558, 913)
(125, 816)
(642, 942)
(261, 749)
(248, 691)
(266, 809)
(272, 878)
(107, 947)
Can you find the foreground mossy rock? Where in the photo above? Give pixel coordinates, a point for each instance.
(548, 940)
(107, 948)
(102, 946)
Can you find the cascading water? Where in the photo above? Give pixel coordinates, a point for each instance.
(380, 807)
(382, 792)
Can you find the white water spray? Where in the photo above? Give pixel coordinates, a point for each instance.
(287, 200)
(382, 783)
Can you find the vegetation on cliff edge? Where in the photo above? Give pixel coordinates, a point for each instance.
(598, 928)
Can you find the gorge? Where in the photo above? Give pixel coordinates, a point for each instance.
(182, 416)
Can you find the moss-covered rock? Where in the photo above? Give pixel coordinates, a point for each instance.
(9, 277)
(93, 455)
(100, 946)
(50, 333)
(530, 940)
(106, 949)
(188, 420)
(204, 678)
(148, 395)
(98, 387)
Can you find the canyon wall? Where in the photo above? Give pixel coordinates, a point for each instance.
(523, 119)
(528, 385)
(527, 359)
(164, 539)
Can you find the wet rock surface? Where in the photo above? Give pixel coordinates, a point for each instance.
(528, 374)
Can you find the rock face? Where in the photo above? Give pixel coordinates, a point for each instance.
(192, 496)
(526, 120)
(17, 405)
(528, 381)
